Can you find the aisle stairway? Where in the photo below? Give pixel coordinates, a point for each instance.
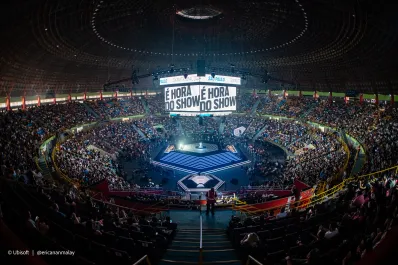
(255, 105)
(180, 128)
(90, 109)
(281, 103)
(45, 170)
(296, 140)
(146, 106)
(309, 110)
(139, 132)
(221, 128)
(343, 136)
(359, 163)
(258, 134)
(184, 249)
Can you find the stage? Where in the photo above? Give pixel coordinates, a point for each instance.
(167, 174)
(200, 157)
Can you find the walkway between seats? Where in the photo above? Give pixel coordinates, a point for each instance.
(217, 249)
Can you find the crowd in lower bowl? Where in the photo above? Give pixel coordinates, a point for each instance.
(90, 157)
(340, 231)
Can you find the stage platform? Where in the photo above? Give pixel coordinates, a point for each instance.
(197, 160)
(194, 148)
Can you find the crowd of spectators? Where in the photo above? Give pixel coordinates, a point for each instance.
(166, 126)
(80, 158)
(314, 155)
(117, 108)
(316, 152)
(313, 149)
(146, 127)
(340, 231)
(364, 213)
(24, 131)
(233, 122)
(246, 102)
(371, 125)
(57, 217)
(156, 104)
(57, 117)
(191, 125)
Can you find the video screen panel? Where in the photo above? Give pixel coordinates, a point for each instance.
(200, 98)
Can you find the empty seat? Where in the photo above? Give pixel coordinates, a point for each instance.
(298, 251)
(82, 244)
(291, 240)
(278, 232)
(117, 256)
(125, 243)
(236, 235)
(251, 229)
(108, 239)
(276, 256)
(66, 238)
(82, 261)
(275, 244)
(268, 226)
(144, 246)
(137, 235)
(121, 231)
(305, 236)
(148, 230)
(264, 235)
(292, 228)
(98, 252)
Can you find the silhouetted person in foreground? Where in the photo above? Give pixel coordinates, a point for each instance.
(211, 200)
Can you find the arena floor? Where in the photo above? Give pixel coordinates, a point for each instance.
(198, 157)
(234, 177)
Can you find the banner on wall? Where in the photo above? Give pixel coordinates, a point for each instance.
(304, 149)
(8, 103)
(239, 131)
(23, 103)
(219, 79)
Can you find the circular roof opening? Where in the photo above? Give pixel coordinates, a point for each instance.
(199, 13)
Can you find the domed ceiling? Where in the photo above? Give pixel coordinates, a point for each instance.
(76, 45)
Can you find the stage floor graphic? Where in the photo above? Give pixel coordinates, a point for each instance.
(198, 161)
(200, 183)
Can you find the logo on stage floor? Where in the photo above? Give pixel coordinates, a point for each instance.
(200, 180)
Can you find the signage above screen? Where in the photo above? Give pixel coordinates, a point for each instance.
(218, 79)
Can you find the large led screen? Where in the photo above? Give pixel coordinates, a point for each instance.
(200, 98)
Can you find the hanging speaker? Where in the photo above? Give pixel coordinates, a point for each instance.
(201, 67)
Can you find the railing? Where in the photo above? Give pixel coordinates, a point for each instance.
(37, 163)
(318, 198)
(355, 161)
(320, 187)
(147, 210)
(200, 241)
(143, 259)
(347, 151)
(256, 188)
(250, 258)
(59, 172)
